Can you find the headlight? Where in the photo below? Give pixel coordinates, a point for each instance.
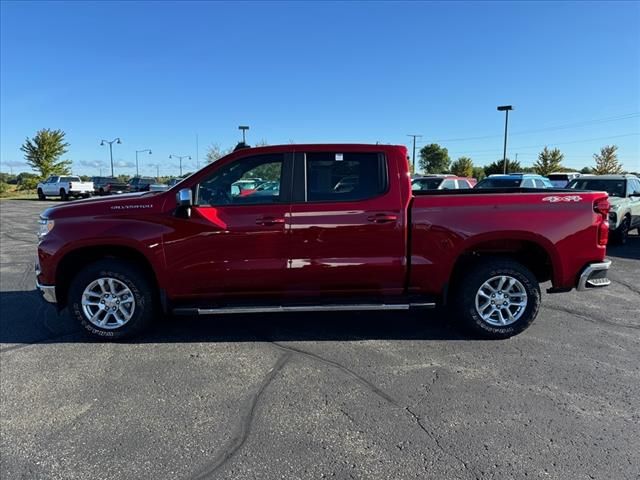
(45, 226)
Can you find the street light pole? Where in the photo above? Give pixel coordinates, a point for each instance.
(244, 128)
(505, 109)
(115, 140)
(414, 151)
(137, 152)
(180, 157)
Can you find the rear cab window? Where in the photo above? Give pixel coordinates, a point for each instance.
(349, 176)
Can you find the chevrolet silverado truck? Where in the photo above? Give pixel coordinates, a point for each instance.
(65, 187)
(204, 248)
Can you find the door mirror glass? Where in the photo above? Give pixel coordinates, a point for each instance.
(184, 197)
(235, 190)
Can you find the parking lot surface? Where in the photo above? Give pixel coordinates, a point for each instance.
(356, 395)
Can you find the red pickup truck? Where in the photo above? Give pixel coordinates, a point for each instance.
(342, 231)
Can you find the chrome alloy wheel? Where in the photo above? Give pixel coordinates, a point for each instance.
(108, 303)
(501, 300)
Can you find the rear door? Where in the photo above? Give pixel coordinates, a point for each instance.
(633, 185)
(347, 225)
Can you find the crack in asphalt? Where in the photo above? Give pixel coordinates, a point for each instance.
(436, 441)
(633, 288)
(594, 320)
(239, 439)
(361, 380)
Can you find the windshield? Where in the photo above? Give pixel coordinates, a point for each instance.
(615, 188)
(558, 183)
(70, 179)
(499, 183)
(426, 183)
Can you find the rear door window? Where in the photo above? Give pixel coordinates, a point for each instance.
(528, 183)
(463, 184)
(336, 176)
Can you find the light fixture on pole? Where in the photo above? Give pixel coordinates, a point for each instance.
(180, 157)
(137, 152)
(115, 140)
(505, 109)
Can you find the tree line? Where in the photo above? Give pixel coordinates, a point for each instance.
(43, 153)
(434, 159)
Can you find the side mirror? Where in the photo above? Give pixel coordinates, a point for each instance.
(235, 190)
(184, 197)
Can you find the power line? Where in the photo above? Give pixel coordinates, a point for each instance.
(553, 144)
(626, 116)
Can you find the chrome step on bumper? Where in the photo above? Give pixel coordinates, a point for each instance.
(594, 276)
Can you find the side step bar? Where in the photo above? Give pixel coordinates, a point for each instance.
(300, 308)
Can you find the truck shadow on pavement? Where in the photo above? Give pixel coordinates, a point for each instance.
(26, 319)
(631, 250)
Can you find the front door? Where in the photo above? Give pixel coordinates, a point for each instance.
(347, 226)
(234, 243)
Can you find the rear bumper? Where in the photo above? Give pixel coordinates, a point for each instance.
(594, 275)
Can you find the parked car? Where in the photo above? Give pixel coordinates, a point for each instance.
(201, 250)
(624, 197)
(141, 184)
(442, 182)
(515, 180)
(247, 186)
(562, 179)
(65, 187)
(109, 185)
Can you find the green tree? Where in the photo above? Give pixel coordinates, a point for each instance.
(462, 167)
(43, 152)
(27, 181)
(497, 167)
(215, 153)
(548, 161)
(586, 170)
(478, 173)
(434, 159)
(607, 161)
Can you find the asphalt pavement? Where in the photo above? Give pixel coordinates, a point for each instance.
(343, 396)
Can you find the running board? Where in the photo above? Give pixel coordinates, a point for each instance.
(300, 308)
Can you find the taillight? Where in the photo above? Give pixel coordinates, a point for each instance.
(602, 207)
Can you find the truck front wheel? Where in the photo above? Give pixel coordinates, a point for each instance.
(111, 300)
(41, 195)
(498, 298)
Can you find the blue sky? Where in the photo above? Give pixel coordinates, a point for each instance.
(158, 74)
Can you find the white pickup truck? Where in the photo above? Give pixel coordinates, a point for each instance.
(64, 187)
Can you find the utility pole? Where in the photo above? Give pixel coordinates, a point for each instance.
(180, 157)
(414, 150)
(505, 109)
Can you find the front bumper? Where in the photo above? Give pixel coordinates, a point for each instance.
(594, 275)
(48, 291)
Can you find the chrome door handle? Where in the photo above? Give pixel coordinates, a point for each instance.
(269, 221)
(382, 218)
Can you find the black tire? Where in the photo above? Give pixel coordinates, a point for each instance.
(139, 285)
(63, 195)
(41, 195)
(464, 297)
(620, 234)
(101, 191)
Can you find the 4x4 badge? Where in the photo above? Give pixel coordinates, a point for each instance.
(568, 198)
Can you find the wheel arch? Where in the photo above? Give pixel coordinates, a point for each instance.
(539, 258)
(73, 262)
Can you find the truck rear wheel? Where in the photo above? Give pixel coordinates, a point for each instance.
(63, 195)
(111, 300)
(497, 299)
